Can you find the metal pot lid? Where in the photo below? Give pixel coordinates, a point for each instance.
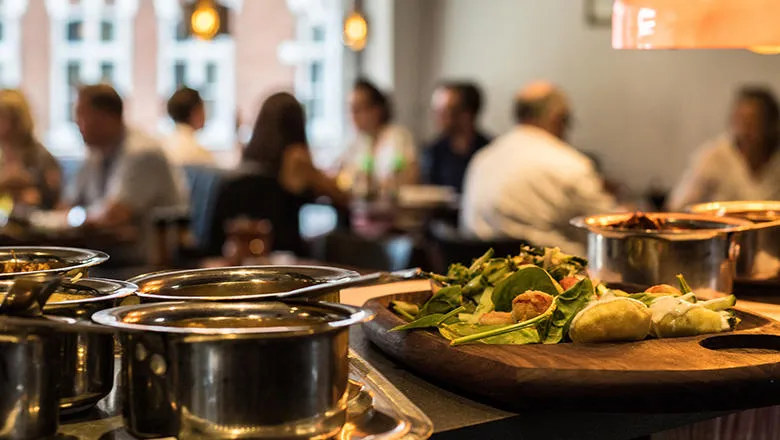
(270, 318)
(236, 283)
(754, 210)
(61, 259)
(686, 226)
(85, 290)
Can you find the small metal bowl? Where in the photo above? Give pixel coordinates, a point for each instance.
(765, 239)
(63, 260)
(267, 369)
(703, 248)
(250, 283)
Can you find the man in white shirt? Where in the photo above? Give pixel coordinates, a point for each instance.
(186, 109)
(742, 165)
(529, 183)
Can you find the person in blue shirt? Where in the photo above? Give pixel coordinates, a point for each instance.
(456, 107)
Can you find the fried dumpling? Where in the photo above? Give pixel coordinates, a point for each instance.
(611, 320)
(674, 317)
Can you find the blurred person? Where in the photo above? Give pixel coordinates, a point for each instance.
(28, 172)
(126, 174)
(528, 183)
(275, 178)
(739, 165)
(382, 151)
(188, 112)
(456, 106)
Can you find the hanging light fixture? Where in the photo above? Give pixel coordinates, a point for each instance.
(205, 20)
(697, 24)
(355, 30)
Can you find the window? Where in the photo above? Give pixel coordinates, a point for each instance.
(317, 54)
(73, 31)
(106, 31)
(11, 12)
(207, 66)
(97, 48)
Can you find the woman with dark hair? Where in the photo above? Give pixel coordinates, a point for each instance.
(275, 178)
(383, 152)
(739, 165)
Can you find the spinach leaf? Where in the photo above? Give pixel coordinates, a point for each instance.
(405, 309)
(430, 321)
(445, 300)
(502, 330)
(568, 304)
(424, 322)
(518, 337)
(526, 278)
(485, 305)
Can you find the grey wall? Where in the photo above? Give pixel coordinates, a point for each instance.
(642, 112)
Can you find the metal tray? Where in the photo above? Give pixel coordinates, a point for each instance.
(376, 410)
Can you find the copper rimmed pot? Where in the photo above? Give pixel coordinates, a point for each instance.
(759, 253)
(702, 247)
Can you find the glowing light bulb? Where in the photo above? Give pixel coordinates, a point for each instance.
(355, 31)
(205, 20)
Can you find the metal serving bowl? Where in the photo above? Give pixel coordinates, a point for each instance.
(71, 261)
(765, 238)
(234, 370)
(249, 283)
(701, 247)
(87, 358)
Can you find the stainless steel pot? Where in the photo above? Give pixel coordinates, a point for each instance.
(63, 260)
(87, 358)
(764, 239)
(702, 248)
(234, 370)
(29, 380)
(249, 283)
(30, 373)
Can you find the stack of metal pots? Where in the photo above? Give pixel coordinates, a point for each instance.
(215, 353)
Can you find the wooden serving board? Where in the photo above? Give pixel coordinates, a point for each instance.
(734, 370)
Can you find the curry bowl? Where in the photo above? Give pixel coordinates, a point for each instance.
(29, 260)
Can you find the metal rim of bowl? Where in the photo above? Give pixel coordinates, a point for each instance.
(338, 275)
(88, 258)
(114, 318)
(600, 224)
(726, 208)
(123, 290)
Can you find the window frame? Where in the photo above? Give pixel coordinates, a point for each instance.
(326, 130)
(219, 134)
(11, 12)
(91, 53)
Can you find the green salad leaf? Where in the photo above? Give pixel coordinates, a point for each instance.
(526, 278)
(568, 304)
(446, 299)
(433, 320)
(519, 337)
